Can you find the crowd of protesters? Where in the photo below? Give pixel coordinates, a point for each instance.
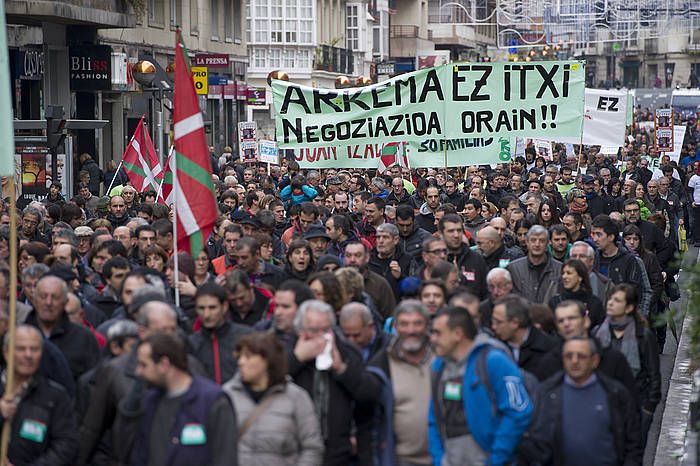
(462, 316)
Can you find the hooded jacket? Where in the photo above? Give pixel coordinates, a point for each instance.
(413, 243)
(496, 431)
(425, 219)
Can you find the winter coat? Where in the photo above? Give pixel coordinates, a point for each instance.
(534, 286)
(413, 243)
(497, 431)
(307, 194)
(624, 420)
(210, 345)
(43, 430)
(286, 433)
(594, 305)
(425, 219)
(472, 270)
(96, 176)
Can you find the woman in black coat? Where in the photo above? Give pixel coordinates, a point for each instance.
(626, 331)
(575, 284)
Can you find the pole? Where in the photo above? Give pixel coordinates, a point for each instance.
(111, 183)
(165, 168)
(176, 259)
(10, 375)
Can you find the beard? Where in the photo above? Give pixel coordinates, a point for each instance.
(412, 343)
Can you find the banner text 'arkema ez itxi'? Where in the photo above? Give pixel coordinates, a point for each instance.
(457, 114)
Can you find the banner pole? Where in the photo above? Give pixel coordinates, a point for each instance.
(111, 183)
(12, 324)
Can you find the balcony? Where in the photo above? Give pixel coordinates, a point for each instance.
(98, 13)
(334, 60)
(403, 31)
(406, 40)
(453, 34)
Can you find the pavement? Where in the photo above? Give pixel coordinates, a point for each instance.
(668, 443)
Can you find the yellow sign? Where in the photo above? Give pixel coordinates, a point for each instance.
(200, 76)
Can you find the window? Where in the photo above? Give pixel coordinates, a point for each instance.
(237, 21)
(228, 20)
(214, 22)
(352, 26)
(290, 31)
(175, 13)
(306, 31)
(194, 17)
(156, 13)
(276, 30)
(275, 8)
(261, 10)
(289, 55)
(275, 58)
(303, 59)
(291, 8)
(248, 35)
(259, 57)
(261, 31)
(307, 9)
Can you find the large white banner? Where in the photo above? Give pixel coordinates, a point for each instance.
(678, 136)
(604, 120)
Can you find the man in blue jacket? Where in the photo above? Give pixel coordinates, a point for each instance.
(464, 428)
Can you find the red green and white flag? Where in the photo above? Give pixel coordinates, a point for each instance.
(140, 161)
(192, 186)
(393, 153)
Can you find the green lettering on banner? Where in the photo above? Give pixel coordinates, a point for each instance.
(453, 114)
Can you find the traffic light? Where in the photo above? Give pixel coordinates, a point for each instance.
(55, 123)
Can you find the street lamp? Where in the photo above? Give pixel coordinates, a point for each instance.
(363, 81)
(342, 82)
(144, 72)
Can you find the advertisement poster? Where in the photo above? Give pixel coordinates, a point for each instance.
(663, 125)
(247, 141)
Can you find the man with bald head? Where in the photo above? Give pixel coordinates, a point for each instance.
(117, 215)
(76, 342)
(501, 226)
(490, 244)
(124, 236)
(43, 427)
(500, 284)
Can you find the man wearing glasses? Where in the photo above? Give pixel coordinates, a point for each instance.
(398, 194)
(652, 237)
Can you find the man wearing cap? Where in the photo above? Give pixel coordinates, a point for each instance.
(318, 239)
(84, 235)
(333, 185)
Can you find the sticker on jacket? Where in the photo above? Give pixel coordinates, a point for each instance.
(193, 434)
(33, 430)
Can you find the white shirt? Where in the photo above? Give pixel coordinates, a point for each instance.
(694, 183)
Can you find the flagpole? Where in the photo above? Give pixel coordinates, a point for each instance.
(176, 258)
(111, 183)
(165, 169)
(12, 324)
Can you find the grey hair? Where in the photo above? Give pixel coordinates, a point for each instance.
(388, 228)
(313, 305)
(378, 183)
(360, 310)
(68, 234)
(37, 270)
(411, 305)
(139, 221)
(496, 272)
(590, 252)
(122, 329)
(34, 211)
(149, 307)
(537, 230)
(62, 284)
(31, 328)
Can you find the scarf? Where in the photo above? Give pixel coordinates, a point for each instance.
(629, 345)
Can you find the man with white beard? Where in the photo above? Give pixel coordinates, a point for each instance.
(405, 364)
